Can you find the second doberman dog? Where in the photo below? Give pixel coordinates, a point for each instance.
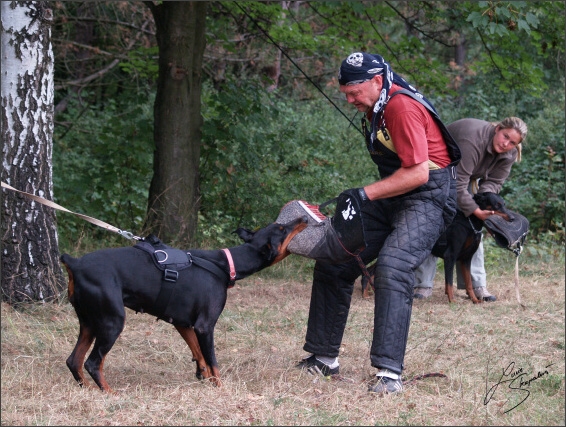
(459, 242)
(103, 282)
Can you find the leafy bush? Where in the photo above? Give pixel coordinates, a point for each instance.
(103, 164)
(537, 189)
(535, 186)
(261, 151)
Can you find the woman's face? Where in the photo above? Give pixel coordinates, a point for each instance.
(505, 139)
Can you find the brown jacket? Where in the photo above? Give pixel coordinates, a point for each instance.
(479, 161)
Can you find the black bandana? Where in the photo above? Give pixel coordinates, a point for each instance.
(361, 67)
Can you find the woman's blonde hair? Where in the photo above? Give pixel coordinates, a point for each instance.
(517, 124)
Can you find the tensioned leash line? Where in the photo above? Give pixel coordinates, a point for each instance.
(126, 234)
(297, 66)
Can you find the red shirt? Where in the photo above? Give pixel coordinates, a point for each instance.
(414, 132)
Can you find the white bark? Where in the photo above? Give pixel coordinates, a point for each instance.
(29, 236)
(27, 86)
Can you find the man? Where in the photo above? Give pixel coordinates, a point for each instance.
(404, 213)
(488, 152)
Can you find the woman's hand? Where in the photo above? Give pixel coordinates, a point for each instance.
(483, 215)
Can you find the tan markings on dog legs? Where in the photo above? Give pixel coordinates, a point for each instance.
(76, 360)
(466, 273)
(449, 290)
(212, 374)
(103, 383)
(282, 250)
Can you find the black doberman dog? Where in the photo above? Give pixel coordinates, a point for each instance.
(459, 242)
(103, 282)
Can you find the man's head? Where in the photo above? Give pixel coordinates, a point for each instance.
(361, 67)
(364, 95)
(365, 80)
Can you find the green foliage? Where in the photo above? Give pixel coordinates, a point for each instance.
(142, 62)
(537, 182)
(103, 164)
(260, 152)
(503, 26)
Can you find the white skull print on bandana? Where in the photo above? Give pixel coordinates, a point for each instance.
(355, 59)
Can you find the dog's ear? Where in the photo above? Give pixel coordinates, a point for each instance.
(487, 200)
(496, 202)
(245, 234)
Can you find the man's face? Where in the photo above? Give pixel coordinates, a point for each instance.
(364, 95)
(505, 139)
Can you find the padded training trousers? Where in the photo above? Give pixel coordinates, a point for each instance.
(399, 233)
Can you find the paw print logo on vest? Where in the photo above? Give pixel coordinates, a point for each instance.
(349, 212)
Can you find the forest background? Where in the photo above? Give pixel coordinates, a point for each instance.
(275, 127)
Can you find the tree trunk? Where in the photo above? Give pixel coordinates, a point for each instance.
(460, 51)
(30, 256)
(174, 192)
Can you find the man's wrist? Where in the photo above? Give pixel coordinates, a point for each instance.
(363, 195)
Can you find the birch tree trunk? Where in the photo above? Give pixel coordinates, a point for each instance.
(30, 256)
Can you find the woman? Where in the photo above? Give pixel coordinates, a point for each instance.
(488, 152)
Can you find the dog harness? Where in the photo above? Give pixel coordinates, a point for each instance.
(170, 261)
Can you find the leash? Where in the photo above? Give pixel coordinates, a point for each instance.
(421, 377)
(361, 263)
(517, 251)
(266, 34)
(126, 234)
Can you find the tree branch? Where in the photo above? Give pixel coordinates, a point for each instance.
(414, 27)
(490, 55)
(85, 80)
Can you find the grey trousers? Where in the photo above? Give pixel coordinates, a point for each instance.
(424, 274)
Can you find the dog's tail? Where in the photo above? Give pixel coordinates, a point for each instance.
(68, 261)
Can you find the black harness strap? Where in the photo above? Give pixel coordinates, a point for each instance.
(165, 294)
(171, 261)
(210, 266)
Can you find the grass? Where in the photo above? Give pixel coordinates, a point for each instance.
(259, 338)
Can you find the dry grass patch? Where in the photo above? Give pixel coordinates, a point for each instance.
(259, 338)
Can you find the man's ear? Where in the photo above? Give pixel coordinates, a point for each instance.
(378, 81)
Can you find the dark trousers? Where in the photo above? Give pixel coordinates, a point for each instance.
(399, 233)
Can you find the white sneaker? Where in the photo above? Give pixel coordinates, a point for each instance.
(422, 293)
(483, 294)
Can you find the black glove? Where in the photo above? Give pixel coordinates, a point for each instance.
(348, 220)
(357, 193)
